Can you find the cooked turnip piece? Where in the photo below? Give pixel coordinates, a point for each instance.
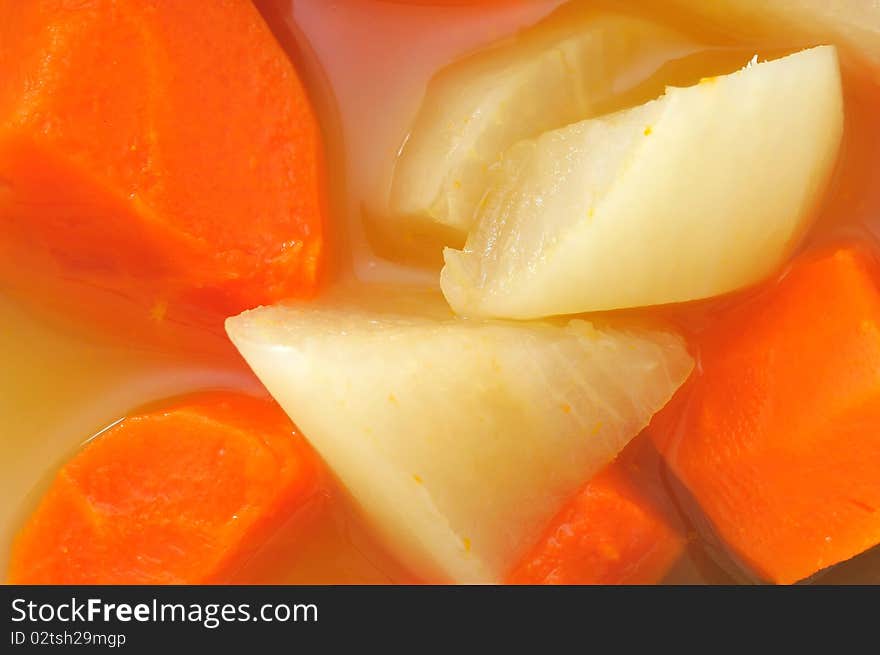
(703, 191)
(459, 439)
(476, 109)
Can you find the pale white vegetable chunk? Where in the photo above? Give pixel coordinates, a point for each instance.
(703, 191)
(459, 439)
(476, 109)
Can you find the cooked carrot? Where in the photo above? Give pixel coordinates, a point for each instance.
(780, 442)
(161, 148)
(616, 530)
(185, 494)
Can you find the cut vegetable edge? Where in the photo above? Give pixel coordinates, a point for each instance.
(431, 536)
(98, 522)
(420, 194)
(485, 278)
(431, 529)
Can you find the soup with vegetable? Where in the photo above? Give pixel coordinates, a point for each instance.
(500, 291)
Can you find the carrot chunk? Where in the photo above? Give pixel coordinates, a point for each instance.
(159, 148)
(181, 495)
(780, 442)
(615, 530)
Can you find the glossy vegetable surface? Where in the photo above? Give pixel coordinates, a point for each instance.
(779, 445)
(184, 494)
(164, 150)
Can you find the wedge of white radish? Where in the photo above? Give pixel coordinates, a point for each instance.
(459, 439)
(701, 192)
(475, 109)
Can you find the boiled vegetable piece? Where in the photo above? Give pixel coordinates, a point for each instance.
(617, 529)
(477, 108)
(458, 439)
(698, 193)
(159, 148)
(183, 495)
(780, 442)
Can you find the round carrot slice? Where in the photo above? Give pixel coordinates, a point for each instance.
(181, 495)
(160, 148)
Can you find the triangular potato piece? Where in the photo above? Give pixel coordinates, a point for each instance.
(459, 439)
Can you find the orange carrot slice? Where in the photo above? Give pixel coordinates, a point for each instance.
(616, 530)
(780, 442)
(184, 494)
(161, 142)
